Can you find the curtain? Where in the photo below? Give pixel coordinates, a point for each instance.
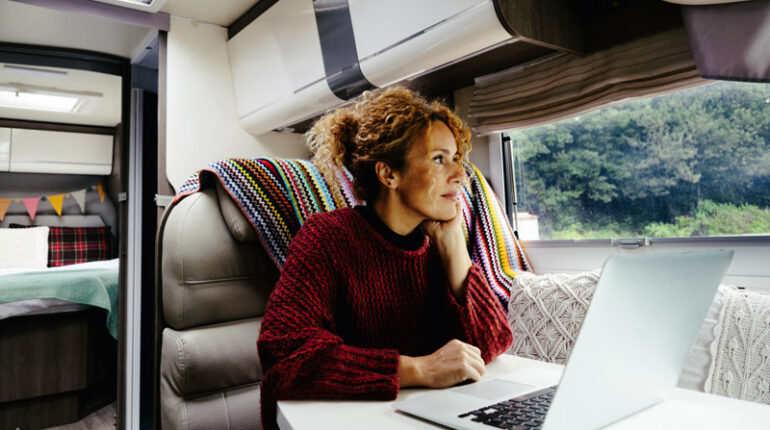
(562, 85)
(731, 41)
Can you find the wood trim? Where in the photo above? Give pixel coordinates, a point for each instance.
(248, 17)
(65, 360)
(553, 24)
(55, 126)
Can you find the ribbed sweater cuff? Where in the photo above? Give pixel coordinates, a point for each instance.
(370, 373)
(475, 284)
(481, 321)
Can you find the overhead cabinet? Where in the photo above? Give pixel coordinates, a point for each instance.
(43, 151)
(299, 59)
(303, 57)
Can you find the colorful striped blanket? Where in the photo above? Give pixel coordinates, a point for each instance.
(278, 195)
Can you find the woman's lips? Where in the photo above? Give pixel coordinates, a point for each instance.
(454, 195)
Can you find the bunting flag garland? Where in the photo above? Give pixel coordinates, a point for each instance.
(56, 202)
(4, 203)
(80, 198)
(31, 204)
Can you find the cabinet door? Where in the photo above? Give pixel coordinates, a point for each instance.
(38, 151)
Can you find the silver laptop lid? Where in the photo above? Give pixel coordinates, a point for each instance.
(635, 338)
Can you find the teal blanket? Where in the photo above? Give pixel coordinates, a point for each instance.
(93, 286)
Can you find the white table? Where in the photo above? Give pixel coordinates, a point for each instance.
(684, 409)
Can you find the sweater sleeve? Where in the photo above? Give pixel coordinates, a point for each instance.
(301, 355)
(479, 316)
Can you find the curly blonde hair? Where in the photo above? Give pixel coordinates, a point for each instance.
(381, 127)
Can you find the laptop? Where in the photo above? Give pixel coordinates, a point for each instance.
(637, 333)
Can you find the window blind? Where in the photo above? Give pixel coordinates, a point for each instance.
(562, 85)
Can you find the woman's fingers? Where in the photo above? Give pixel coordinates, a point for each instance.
(475, 349)
(475, 361)
(453, 363)
(474, 374)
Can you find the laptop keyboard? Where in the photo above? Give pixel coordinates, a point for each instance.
(520, 413)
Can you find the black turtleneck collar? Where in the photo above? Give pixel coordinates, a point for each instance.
(411, 242)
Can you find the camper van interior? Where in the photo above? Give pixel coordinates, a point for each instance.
(154, 169)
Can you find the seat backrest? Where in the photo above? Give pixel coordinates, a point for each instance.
(213, 282)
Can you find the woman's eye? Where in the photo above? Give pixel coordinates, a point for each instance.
(439, 159)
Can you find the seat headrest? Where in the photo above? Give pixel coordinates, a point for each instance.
(236, 222)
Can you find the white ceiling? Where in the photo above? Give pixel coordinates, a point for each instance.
(220, 12)
(22, 23)
(27, 24)
(105, 113)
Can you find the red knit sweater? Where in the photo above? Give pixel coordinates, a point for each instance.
(349, 302)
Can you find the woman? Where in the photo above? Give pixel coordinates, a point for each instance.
(382, 296)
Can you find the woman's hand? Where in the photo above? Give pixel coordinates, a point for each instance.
(451, 364)
(448, 233)
(450, 242)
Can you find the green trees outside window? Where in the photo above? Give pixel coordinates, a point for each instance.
(692, 163)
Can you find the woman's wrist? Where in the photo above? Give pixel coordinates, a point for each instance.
(408, 371)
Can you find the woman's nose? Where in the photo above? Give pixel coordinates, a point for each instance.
(458, 174)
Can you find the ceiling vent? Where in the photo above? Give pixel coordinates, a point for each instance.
(14, 95)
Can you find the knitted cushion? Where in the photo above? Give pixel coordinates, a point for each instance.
(730, 356)
(545, 313)
(277, 196)
(72, 245)
(740, 351)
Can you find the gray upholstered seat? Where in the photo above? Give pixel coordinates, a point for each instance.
(213, 282)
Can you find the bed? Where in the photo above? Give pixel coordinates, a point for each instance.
(58, 328)
(45, 291)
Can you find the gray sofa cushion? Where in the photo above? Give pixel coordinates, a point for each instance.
(233, 409)
(209, 358)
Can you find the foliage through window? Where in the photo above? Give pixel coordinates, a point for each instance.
(688, 164)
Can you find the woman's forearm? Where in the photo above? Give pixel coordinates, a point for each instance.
(456, 261)
(457, 268)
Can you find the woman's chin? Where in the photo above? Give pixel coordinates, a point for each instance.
(446, 214)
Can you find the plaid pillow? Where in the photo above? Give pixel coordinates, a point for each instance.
(72, 245)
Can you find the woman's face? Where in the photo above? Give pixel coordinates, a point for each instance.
(430, 183)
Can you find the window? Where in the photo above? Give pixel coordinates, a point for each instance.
(694, 163)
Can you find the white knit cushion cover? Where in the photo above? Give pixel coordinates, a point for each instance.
(546, 311)
(730, 356)
(740, 366)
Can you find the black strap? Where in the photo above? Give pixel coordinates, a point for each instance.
(338, 48)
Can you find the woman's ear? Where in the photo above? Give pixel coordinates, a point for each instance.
(387, 176)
